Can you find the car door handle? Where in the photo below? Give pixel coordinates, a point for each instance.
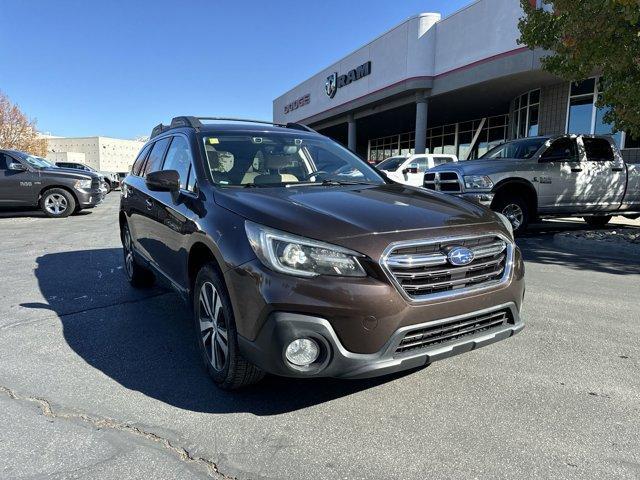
(149, 204)
(576, 169)
(617, 169)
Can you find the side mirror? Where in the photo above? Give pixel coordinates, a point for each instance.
(18, 167)
(163, 181)
(413, 168)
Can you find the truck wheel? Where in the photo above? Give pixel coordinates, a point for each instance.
(598, 221)
(515, 208)
(57, 203)
(139, 276)
(216, 333)
(106, 186)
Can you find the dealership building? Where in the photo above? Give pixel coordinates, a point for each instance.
(458, 85)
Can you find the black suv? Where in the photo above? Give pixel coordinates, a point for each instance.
(300, 259)
(30, 181)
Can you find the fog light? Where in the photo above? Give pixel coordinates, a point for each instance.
(303, 352)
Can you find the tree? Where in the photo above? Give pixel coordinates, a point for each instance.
(587, 37)
(17, 132)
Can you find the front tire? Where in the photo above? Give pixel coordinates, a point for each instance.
(57, 203)
(138, 276)
(597, 221)
(216, 333)
(516, 209)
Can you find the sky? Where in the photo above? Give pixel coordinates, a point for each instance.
(117, 68)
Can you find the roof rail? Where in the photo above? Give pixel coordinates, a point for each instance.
(196, 122)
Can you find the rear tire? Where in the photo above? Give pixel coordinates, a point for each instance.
(598, 221)
(57, 203)
(216, 333)
(516, 209)
(138, 276)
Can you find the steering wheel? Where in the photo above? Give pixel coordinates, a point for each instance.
(313, 174)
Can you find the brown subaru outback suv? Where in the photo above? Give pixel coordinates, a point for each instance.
(300, 259)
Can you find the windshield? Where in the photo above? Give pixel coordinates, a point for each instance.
(517, 149)
(37, 162)
(276, 159)
(391, 163)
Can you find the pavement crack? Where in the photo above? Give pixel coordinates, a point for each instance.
(106, 423)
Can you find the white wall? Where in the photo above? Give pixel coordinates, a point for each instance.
(400, 53)
(102, 153)
(422, 46)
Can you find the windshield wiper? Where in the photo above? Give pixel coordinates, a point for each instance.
(329, 183)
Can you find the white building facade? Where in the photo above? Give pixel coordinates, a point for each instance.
(102, 153)
(459, 85)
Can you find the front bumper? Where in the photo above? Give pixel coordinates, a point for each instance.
(267, 351)
(90, 198)
(483, 198)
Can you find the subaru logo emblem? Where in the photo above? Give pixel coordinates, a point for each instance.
(459, 256)
(331, 85)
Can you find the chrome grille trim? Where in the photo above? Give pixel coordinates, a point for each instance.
(436, 180)
(393, 266)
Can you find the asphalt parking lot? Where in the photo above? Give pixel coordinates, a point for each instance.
(98, 380)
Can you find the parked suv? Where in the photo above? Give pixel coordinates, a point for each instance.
(110, 181)
(299, 259)
(566, 175)
(29, 181)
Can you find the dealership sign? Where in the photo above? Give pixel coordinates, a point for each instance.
(335, 81)
(297, 103)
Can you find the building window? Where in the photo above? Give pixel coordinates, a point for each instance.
(583, 116)
(526, 112)
(454, 138)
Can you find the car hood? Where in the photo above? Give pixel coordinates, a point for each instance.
(68, 173)
(478, 166)
(341, 214)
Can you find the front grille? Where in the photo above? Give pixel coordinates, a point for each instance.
(95, 182)
(423, 269)
(440, 333)
(442, 181)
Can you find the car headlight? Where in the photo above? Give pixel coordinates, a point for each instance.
(477, 182)
(287, 253)
(507, 223)
(83, 184)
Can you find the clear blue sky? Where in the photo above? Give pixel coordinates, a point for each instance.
(116, 68)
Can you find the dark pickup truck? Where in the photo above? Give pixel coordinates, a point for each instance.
(29, 181)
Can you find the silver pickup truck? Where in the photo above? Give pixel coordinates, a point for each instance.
(535, 177)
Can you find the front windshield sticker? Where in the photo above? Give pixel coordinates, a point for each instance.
(213, 141)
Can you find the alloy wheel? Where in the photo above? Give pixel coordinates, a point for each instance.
(56, 204)
(213, 326)
(515, 214)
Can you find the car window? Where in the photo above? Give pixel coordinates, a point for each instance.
(391, 163)
(422, 164)
(441, 160)
(179, 159)
(562, 149)
(516, 149)
(5, 161)
(137, 165)
(192, 184)
(598, 149)
(154, 162)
